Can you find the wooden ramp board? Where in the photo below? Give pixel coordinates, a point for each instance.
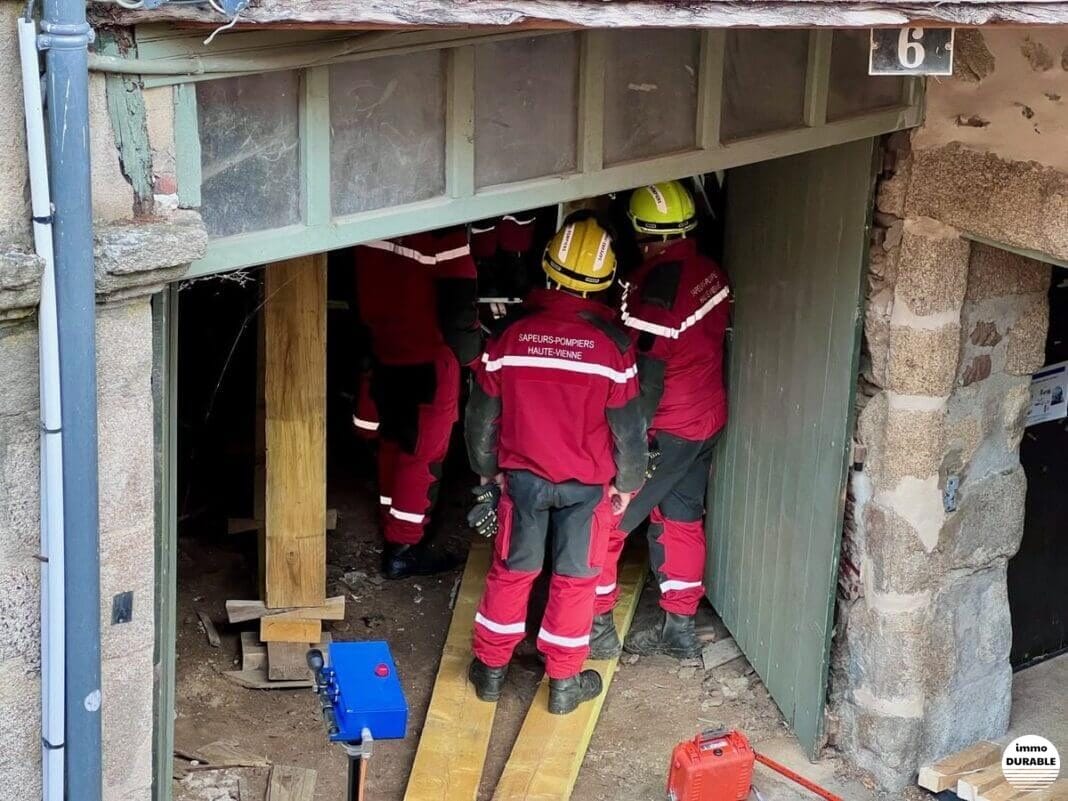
(545, 760)
(452, 747)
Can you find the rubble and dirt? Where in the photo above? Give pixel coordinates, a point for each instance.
(653, 704)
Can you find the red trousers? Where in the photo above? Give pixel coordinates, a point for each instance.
(578, 517)
(418, 406)
(674, 501)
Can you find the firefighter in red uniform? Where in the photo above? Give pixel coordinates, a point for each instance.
(416, 297)
(500, 247)
(675, 307)
(554, 405)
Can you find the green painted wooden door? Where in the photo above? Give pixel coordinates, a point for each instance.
(797, 231)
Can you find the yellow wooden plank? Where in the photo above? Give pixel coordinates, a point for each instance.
(294, 533)
(548, 753)
(452, 748)
(280, 628)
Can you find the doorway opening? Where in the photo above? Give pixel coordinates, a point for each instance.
(1038, 573)
(219, 368)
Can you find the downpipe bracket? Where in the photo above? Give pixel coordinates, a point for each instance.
(65, 36)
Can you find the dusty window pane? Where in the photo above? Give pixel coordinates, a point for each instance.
(526, 96)
(248, 152)
(387, 131)
(650, 93)
(852, 90)
(763, 82)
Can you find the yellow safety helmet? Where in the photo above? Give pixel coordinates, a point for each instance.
(662, 209)
(580, 257)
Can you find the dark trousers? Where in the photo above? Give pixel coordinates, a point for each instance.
(674, 501)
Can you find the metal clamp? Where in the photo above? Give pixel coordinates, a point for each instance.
(364, 749)
(65, 36)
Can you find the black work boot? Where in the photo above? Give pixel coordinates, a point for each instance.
(404, 561)
(673, 635)
(604, 641)
(566, 694)
(488, 681)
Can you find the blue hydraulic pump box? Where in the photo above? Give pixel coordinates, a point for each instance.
(367, 692)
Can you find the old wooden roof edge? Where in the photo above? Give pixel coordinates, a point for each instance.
(371, 14)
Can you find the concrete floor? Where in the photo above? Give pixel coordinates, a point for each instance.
(828, 773)
(1040, 702)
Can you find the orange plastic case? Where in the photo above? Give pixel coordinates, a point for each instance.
(713, 766)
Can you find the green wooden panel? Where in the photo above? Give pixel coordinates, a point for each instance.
(797, 232)
(262, 247)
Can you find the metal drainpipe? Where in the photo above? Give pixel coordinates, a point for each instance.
(65, 39)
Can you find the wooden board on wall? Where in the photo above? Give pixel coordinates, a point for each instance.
(294, 535)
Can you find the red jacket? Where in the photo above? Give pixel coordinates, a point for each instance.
(677, 311)
(418, 293)
(556, 393)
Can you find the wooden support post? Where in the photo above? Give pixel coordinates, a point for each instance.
(294, 533)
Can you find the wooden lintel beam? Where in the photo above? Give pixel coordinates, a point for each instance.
(512, 14)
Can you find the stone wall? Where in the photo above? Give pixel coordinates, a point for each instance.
(953, 330)
(133, 260)
(20, 658)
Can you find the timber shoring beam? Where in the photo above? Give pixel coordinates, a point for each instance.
(387, 14)
(294, 533)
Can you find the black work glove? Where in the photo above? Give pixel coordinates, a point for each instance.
(654, 460)
(483, 515)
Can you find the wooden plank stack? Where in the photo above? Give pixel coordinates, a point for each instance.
(975, 774)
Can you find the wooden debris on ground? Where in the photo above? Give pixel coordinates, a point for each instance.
(290, 783)
(210, 631)
(226, 754)
(241, 611)
(719, 653)
(946, 773)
